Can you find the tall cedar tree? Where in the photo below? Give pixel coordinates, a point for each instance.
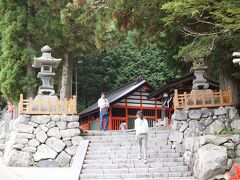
(26, 26)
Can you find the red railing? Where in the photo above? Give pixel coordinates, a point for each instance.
(114, 122)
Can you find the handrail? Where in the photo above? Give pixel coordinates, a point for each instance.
(39, 106)
(202, 99)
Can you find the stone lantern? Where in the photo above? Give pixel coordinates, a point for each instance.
(236, 58)
(200, 83)
(46, 63)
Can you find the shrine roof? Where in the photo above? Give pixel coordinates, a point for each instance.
(118, 94)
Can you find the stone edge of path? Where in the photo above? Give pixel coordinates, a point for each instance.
(78, 159)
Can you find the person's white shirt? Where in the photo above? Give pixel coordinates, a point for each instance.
(123, 126)
(141, 126)
(102, 103)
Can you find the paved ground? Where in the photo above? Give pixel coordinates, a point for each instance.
(13, 173)
(17, 173)
(35, 173)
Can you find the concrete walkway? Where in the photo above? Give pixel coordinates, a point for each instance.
(17, 173)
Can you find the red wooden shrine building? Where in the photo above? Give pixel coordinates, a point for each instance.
(124, 103)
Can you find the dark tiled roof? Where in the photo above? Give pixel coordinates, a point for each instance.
(187, 77)
(118, 94)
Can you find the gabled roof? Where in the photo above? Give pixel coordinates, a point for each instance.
(186, 78)
(119, 93)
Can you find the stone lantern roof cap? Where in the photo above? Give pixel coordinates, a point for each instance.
(46, 58)
(46, 48)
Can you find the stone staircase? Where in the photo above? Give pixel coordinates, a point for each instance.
(113, 155)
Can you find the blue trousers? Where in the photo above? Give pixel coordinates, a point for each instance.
(102, 117)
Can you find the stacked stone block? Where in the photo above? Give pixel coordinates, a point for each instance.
(196, 122)
(204, 137)
(43, 141)
(211, 155)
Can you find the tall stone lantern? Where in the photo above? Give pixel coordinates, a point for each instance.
(46, 63)
(200, 85)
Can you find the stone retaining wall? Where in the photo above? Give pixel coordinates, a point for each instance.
(204, 137)
(211, 155)
(196, 122)
(43, 141)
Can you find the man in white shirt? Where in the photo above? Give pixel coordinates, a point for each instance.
(103, 106)
(141, 127)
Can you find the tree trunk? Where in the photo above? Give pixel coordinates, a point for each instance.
(30, 47)
(228, 82)
(30, 90)
(66, 89)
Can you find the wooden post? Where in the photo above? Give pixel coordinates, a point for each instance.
(65, 106)
(175, 99)
(126, 107)
(20, 106)
(221, 97)
(212, 98)
(40, 106)
(48, 105)
(203, 100)
(156, 114)
(230, 96)
(141, 99)
(110, 119)
(194, 99)
(185, 100)
(30, 105)
(74, 105)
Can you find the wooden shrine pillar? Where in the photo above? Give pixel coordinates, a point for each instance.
(110, 126)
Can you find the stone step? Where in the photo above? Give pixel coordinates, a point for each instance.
(126, 139)
(132, 165)
(106, 137)
(132, 151)
(149, 143)
(131, 156)
(128, 132)
(135, 170)
(107, 148)
(160, 178)
(164, 178)
(135, 175)
(118, 161)
(132, 135)
(114, 155)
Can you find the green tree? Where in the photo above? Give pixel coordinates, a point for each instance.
(116, 66)
(126, 62)
(26, 26)
(196, 31)
(15, 56)
(211, 31)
